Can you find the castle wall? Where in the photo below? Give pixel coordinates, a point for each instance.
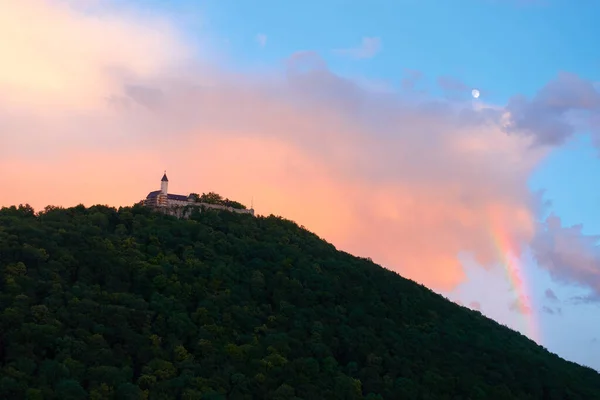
(176, 211)
(162, 200)
(183, 209)
(172, 202)
(225, 208)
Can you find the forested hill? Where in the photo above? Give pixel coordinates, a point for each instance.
(99, 303)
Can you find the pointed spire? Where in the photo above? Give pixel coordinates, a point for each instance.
(164, 178)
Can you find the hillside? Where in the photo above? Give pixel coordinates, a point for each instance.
(128, 304)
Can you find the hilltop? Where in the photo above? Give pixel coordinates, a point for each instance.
(102, 303)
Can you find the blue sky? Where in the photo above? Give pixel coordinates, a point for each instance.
(499, 46)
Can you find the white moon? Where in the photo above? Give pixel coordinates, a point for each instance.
(475, 93)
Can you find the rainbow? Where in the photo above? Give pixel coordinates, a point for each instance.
(507, 251)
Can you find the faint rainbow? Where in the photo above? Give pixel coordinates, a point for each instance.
(507, 250)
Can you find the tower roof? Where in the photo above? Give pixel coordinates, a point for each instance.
(164, 178)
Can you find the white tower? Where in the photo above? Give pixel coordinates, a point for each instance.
(164, 184)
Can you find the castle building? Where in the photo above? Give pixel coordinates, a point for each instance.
(173, 203)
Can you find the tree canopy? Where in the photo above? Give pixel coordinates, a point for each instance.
(100, 303)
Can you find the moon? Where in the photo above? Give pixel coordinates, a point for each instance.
(475, 93)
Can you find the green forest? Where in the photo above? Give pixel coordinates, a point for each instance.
(105, 303)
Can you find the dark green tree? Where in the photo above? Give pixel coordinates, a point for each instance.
(100, 303)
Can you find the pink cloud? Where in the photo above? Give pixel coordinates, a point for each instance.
(58, 57)
(411, 185)
(570, 255)
(520, 305)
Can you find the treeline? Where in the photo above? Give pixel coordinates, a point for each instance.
(99, 303)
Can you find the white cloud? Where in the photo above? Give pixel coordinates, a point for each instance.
(261, 39)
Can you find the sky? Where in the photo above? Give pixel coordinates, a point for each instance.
(355, 119)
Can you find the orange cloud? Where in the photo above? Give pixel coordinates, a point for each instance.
(409, 185)
(57, 56)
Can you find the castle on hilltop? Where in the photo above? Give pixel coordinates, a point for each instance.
(180, 205)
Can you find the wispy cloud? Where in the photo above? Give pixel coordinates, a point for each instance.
(261, 39)
(410, 79)
(452, 84)
(552, 311)
(592, 298)
(549, 294)
(368, 48)
(547, 310)
(520, 305)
